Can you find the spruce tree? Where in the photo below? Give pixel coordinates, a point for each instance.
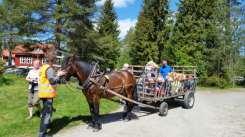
(193, 30)
(66, 15)
(22, 17)
(59, 16)
(80, 28)
(108, 31)
(144, 47)
(125, 48)
(151, 34)
(233, 15)
(201, 37)
(20, 21)
(158, 12)
(107, 24)
(220, 58)
(68, 20)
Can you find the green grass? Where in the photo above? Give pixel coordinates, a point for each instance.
(71, 109)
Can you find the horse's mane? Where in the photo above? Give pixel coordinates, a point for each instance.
(87, 67)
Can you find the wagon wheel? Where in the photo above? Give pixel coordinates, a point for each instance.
(189, 100)
(163, 109)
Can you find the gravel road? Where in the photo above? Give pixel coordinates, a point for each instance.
(215, 114)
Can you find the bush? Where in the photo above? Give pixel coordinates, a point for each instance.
(1, 67)
(215, 81)
(5, 81)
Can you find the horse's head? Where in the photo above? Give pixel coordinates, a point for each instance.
(69, 66)
(73, 66)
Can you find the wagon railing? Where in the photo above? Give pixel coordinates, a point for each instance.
(190, 70)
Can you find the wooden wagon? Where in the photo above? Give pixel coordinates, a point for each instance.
(158, 93)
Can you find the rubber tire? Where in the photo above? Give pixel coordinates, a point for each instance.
(163, 109)
(189, 96)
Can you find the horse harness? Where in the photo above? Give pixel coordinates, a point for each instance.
(104, 85)
(98, 78)
(93, 74)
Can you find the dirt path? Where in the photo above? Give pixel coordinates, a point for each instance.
(214, 115)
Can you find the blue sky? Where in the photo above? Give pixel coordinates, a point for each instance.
(132, 9)
(128, 11)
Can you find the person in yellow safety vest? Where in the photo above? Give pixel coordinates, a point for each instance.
(47, 84)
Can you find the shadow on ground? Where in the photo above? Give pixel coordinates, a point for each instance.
(149, 111)
(60, 123)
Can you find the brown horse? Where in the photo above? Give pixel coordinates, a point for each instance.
(122, 82)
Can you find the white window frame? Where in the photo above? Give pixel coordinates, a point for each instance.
(26, 60)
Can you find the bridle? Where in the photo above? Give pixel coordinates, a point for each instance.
(94, 74)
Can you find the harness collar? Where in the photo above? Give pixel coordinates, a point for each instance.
(107, 77)
(86, 84)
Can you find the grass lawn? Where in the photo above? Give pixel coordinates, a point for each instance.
(71, 109)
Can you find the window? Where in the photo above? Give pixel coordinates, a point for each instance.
(21, 60)
(25, 60)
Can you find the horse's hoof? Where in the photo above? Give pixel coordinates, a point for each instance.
(124, 116)
(126, 120)
(90, 126)
(134, 116)
(96, 130)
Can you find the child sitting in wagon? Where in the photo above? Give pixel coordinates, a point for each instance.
(151, 75)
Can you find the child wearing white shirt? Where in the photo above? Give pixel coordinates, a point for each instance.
(32, 78)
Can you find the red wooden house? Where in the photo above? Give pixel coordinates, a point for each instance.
(23, 56)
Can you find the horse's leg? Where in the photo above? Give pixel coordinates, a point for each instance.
(128, 115)
(91, 109)
(125, 110)
(89, 99)
(96, 115)
(94, 111)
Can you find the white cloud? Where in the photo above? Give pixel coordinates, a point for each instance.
(117, 3)
(125, 25)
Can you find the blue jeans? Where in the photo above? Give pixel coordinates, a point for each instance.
(45, 117)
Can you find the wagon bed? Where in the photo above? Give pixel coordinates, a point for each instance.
(168, 90)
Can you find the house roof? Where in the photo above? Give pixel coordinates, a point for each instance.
(21, 49)
(37, 51)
